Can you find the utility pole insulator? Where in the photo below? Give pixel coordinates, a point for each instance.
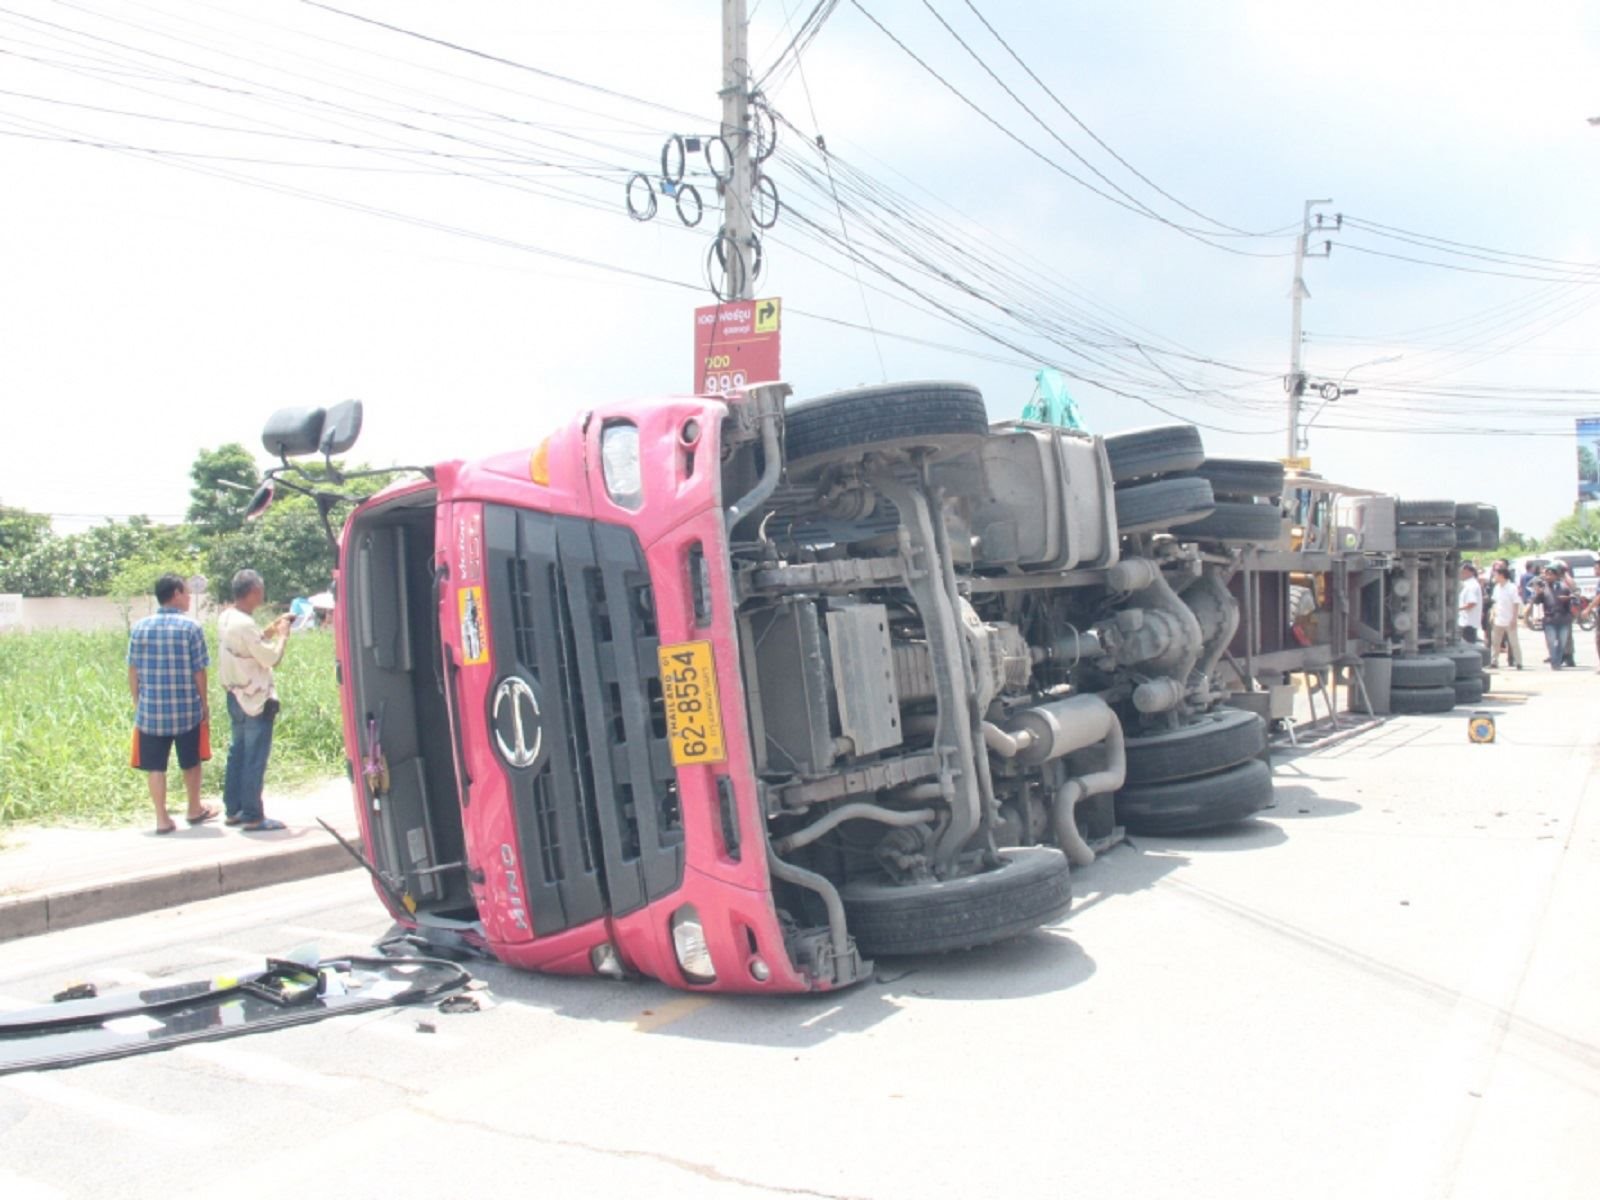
(1297, 295)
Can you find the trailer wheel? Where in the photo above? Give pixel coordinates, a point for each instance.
(1243, 478)
(1236, 521)
(1163, 503)
(1190, 805)
(1423, 671)
(945, 418)
(1425, 512)
(1469, 661)
(1155, 451)
(1441, 699)
(1468, 691)
(1215, 742)
(1031, 886)
(1425, 537)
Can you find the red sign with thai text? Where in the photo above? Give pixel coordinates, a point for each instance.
(736, 345)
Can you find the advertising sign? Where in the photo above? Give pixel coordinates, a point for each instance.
(1588, 460)
(736, 344)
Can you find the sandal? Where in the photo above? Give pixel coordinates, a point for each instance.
(235, 819)
(162, 830)
(208, 812)
(265, 825)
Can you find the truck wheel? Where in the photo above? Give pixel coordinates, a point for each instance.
(1155, 451)
(1439, 699)
(1030, 887)
(1188, 805)
(1163, 503)
(943, 417)
(1468, 660)
(1423, 671)
(1425, 537)
(1420, 512)
(1469, 691)
(1469, 539)
(1215, 742)
(1243, 478)
(1236, 521)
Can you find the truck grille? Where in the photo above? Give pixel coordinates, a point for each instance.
(571, 610)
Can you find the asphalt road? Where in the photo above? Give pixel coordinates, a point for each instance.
(1389, 986)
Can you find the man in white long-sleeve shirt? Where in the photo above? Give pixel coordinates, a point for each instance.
(247, 654)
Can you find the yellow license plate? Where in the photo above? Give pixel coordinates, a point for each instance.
(694, 713)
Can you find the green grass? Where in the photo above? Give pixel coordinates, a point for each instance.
(66, 721)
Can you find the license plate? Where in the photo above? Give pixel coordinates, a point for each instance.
(694, 713)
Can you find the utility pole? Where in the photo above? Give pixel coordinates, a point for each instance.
(740, 188)
(1295, 383)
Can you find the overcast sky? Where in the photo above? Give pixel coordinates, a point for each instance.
(286, 206)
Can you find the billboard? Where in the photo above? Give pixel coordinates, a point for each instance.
(1589, 460)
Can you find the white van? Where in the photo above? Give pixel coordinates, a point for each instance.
(1582, 564)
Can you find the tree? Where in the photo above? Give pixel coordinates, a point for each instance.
(223, 481)
(21, 531)
(1588, 465)
(1580, 531)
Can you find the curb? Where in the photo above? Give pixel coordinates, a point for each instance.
(30, 915)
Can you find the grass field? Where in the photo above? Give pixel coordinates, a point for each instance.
(66, 721)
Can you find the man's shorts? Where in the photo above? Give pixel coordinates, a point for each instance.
(151, 751)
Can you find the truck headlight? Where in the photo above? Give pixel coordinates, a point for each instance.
(689, 943)
(619, 461)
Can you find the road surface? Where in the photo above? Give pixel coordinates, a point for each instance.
(1387, 986)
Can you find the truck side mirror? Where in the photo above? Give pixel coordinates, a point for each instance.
(340, 428)
(260, 501)
(293, 431)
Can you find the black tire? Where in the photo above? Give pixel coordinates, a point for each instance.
(943, 417)
(1468, 661)
(1469, 691)
(1163, 503)
(1425, 537)
(1424, 512)
(1236, 521)
(1189, 805)
(1488, 682)
(1423, 671)
(1156, 451)
(1422, 699)
(1215, 742)
(1243, 477)
(1033, 886)
(1469, 539)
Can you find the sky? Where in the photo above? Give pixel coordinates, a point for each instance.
(213, 210)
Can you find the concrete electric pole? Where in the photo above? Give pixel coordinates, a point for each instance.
(739, 196)
(1295, 383)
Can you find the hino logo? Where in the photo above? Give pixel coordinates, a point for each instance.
(518, 728)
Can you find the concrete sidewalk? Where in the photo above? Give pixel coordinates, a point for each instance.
(54, 879)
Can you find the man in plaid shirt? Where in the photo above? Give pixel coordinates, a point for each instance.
(167, 663)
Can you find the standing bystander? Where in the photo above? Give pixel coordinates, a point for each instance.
(1469, 604)
(167, 663)
(248, 653)
(1503, 613)
(1555, 598)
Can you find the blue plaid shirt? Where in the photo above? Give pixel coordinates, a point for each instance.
(167, 649)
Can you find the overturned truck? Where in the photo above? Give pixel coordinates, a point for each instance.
(738, 693)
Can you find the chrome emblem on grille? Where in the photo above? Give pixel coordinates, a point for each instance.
(518, 728)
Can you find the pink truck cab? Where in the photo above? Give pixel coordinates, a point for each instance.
(539, 647)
